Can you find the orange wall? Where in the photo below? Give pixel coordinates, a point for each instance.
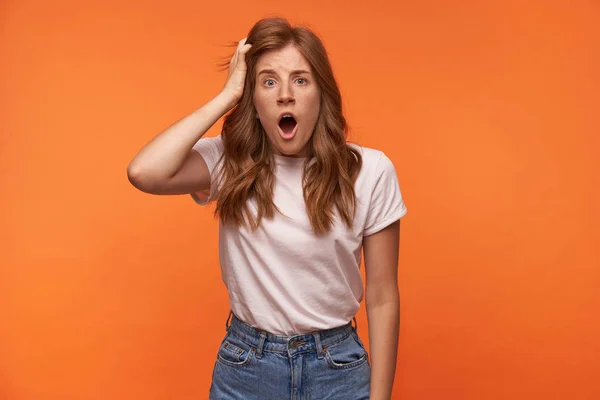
(489, 112)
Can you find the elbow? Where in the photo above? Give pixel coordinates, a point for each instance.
(134, 174)
(148, 181)
(138, 178)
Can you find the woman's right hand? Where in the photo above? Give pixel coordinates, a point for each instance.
(236, 77)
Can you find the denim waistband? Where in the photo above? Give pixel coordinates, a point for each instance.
(266, 341)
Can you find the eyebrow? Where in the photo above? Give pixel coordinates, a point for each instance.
(294, 72)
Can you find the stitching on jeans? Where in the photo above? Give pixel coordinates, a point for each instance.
(341, 339)
(350, 365)
(284, 351)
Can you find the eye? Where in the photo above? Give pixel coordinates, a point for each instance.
(301, 81)
(269, 82)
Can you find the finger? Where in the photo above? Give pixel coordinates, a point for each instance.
(242, 53)
(239, 46)
(234, 58)
(245, 48)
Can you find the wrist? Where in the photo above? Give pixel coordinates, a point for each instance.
(228, 99)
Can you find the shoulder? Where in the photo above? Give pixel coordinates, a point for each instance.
(212, 142)
(209, 146)
(373, 160)
(211, 149)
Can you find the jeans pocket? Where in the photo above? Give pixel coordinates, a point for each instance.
(234, 352)
(348, 353)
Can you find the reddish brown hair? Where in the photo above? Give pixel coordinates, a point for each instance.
(247, 172)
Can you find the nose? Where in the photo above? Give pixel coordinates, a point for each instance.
(286, 96)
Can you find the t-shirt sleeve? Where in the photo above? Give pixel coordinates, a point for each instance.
(211, 149)
(386, 205)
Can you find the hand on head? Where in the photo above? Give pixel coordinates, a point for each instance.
(236, 76)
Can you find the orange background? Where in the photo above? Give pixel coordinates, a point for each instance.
(489, 112)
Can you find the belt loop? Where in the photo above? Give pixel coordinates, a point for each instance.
(318, 344)
(261, 343)
(227, 323)
(355, 323)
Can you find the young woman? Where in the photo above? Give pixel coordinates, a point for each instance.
(296, 204)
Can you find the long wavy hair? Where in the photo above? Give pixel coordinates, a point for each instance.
(247, 169)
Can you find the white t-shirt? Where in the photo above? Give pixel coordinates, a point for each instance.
(283, 279)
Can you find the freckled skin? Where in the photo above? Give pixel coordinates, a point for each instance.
(287, 90)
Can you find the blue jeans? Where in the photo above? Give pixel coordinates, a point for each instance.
(255, 365)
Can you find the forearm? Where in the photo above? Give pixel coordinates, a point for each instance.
(384, 324)
(164, 155)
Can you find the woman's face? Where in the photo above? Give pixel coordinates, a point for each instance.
(287, 100)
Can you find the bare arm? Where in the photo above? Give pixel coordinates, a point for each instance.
(168, 164)
(381, 252)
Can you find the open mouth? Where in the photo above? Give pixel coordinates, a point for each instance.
(287, 124)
